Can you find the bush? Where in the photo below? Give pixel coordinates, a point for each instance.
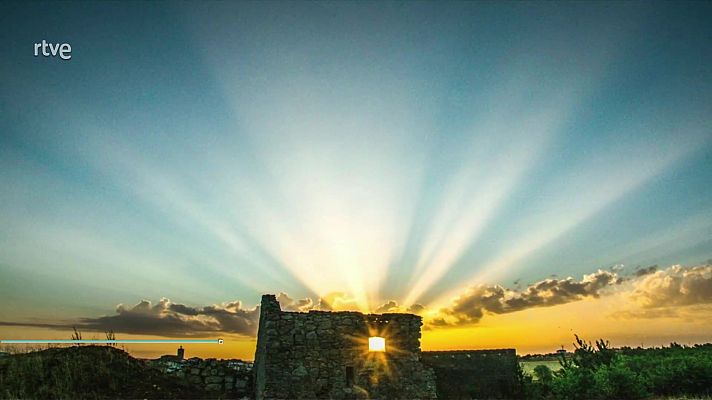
(575, 383)
(617, 381)
(599, 372)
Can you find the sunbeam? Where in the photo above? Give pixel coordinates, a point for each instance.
(597, 184)
(374, 157)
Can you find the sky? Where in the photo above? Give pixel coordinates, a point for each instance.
(499, 168)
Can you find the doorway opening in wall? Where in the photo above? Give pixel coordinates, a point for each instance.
(349, 376)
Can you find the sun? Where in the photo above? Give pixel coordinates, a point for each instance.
(377, 343)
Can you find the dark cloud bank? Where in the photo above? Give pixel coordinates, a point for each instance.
(478, 300)
(172, 319)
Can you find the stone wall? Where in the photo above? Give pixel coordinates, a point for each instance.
(225, 378)
(325, 355)
(475, 374)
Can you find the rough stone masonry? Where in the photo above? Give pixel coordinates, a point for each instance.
(326, 355)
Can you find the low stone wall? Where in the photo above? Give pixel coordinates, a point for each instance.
(228, 378)
(475, 374)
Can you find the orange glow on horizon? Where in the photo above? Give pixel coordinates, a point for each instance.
(536, 330)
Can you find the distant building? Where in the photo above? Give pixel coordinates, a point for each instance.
(178, 357)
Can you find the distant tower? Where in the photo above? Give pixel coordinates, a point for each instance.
(181, 352)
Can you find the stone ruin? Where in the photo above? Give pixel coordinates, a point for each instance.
(320, 354)
(475, 374)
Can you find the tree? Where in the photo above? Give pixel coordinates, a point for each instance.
(543, 374)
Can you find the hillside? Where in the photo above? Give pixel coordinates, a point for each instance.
(86, 372)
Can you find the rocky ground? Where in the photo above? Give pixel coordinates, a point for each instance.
(228, 378)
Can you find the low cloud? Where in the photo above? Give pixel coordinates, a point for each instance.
(336, 301)
(389, 307)
(416, 309)
(38, 324)
(478, 300)
(289, 304)
(340, 301)
(675, 292)
(175, 320)
(646, 271)
(674, 287)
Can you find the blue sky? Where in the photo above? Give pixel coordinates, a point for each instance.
(386, 150)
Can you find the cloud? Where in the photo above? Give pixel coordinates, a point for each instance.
(416, 309)
(617, 267)
(339, 301)
(646, 271)
(336, 301)
(389, 307)
(289, 304)
(175, 320)
(392, 306)
(674, 287)
(675, 292)
(37, 325)
(647, 293)
(477, 300)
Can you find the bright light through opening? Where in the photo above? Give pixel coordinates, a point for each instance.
(376, 343)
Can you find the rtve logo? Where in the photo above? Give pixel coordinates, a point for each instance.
(63, 50)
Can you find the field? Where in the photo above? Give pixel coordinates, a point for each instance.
(528, 366)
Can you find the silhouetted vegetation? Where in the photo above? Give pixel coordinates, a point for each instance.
(110, 335)
(85, 372)
(76, 335)
(596, 371)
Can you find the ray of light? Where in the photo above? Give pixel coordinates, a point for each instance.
(344, 158)
(166, 193)
(311, 183)
(344, 142)
(587, 190)
(507, 141)
(474, 194)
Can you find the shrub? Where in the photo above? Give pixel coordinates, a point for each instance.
(599, 372)
(617, 381)
(543, 374)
